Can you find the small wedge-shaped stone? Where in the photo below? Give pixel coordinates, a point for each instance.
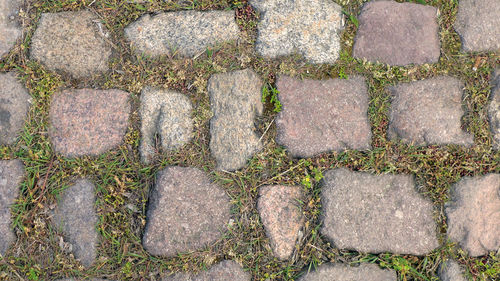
(72, 42)
(341, 272)
(11, 176)
(224, 271)
(478, 25)
(187, 33)
(376, 213)
(494, 109)
(14, 106)
(279, 210)
(474, 214)
(88, 121)
(309, 27)
(323, 115)
(186, 212)
(75, 215)
(10, 30)
(428, 112)
(235, 99)
(451, 271)
(167, 113)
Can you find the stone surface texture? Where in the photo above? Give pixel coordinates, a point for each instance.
(88, 121)
(309, 27)
(473, 214)
(14, 106)
(235, 99)
(397, 33)
(224, 271)
(478, 25)
(187, 33)
(75, 215)
(494, 109)
(428, 112)
(376, 213)
(10, 29)
(323, 115)
(72, 42)
(11, 176)
(341, 272)
(79, 279)
(186, 212)
(451, 271)
(168, 114)
(279, 210)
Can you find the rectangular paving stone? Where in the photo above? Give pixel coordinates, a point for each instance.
(10, 29)
(223, 271)
(494, 108)
(14, 106)
(323, 115)
(342, 272)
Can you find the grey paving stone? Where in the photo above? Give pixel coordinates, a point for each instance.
(428, 112)
(10, 29)
(397, 33)
(323, 115)
(186, 212)
(79, 279)
(186, 33)
(376, 213)
(75, 215)
(451, 271)
(235, 99)
(72, 42)
(478, 25)
(224, 271)
(473, 214)
(11, 176)
(88, 121)
(494, 108)
(341, 272)
(279, 210)
(309, 27)
(14, 106)
(167, 113)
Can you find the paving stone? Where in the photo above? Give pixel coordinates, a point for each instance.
(224, 271)
(76, 217)
(451, 271)
(323, 115)
(341, 272)
(72, 42)
(77, 279)
(474, 214)
(186, 212)
(167, 113)
(478, 25)
(309, 27)
(279, 210)
(235, 98)
(10, 30)
(494, 109)
(376, 213)
(88, 121)
(428, 112)
(397, 33)
(11, 176)
(14, 106)
(186, 33)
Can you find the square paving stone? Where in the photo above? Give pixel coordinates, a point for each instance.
(224, 271)
(309, 27)
(397, 33)
(72, 42)
(187, 33)
(10, 29)
(14, 106)
(428, 112)
(376, 213)
(494, 108)
(341, 272)
(478, 24)
(323, 115)
(88, 121)
(474, 214)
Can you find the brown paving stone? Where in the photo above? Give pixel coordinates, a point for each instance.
(341, 272)
(10, 29)
(224, 271)
(14, 106)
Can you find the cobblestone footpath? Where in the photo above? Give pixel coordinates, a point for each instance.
(250, 140)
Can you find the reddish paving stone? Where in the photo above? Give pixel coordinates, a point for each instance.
(10, 29)
(88, 121)
(224, 271)
(14, 106)
(320, 116)
(341, 272)
(279, 210)
(494, 108)
(397, 33)
(474, 214)
(428, 112)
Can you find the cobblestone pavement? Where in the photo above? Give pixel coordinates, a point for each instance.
(250, 140)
